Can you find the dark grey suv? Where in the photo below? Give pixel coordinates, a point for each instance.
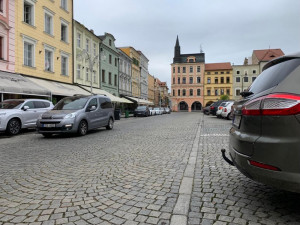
(265, 136)
(77, 114)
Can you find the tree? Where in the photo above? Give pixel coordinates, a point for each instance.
(224, 97)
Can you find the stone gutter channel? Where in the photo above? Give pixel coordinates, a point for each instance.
(181, 209)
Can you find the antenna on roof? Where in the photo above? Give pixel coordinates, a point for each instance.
(201, 50)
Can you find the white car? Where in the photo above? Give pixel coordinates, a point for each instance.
(219, 110)
(158, 111)
(16, 114)
(152, 111)
(226, 111)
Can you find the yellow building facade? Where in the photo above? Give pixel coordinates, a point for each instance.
(44, 39)
(150, 88)
(217, 82)
(135, 70)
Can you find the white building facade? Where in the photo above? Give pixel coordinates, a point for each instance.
(144, 76)
(125, 87)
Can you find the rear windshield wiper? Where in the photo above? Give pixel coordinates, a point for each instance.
(246, 93)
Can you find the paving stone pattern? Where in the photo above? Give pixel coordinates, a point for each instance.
(133, 175)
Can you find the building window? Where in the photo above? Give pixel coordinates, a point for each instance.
(178, 80)
(253, 79)
(48, 22)
(227, 80)
(183, 69)
(109, 42)
(222, 80)
(78, 72)
(222, 91)
(116, 63)
(109, 77)
(208, 73)
(216, 72)
(237, 72)
(237, 79)
(64, 4)
(222, 72)
(184, 80)
(178, 93)
(183, 92)
(227, 91)
(116, 80)
(173, 69)
(1, 48)
(191, 69)
(87, 74)
(173, 80)
(254, 71)
(216, 80)
(1, 6)
(245, 79)
(198, 69)
(198, 80)
(110, 59)
(237, 92)
(191, 80)
(178, 69)
(191, 92)
(208, 80)
(95, 49)
(208, 92)
(29, 12)
(28, 54)
(64, 31)
(78, 40)
(64, 65)
(173, 92)
(87, 45)
(49, 60)
(227, 72)
(198, 92)
(103, 76)
(216, 92)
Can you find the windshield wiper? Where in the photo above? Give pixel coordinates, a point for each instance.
(246, 93)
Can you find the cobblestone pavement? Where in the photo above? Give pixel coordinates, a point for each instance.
(156, 170)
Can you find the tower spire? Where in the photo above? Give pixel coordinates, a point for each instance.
(177, 41)
(177, 50)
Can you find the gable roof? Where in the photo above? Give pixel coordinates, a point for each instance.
(267, 54)
(218, 66)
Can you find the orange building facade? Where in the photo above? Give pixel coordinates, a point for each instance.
(187, 89)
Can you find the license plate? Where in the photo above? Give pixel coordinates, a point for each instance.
(237, 121)
(49, 125)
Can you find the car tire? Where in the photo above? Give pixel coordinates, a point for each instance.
(110, 124)
(13, 127)
(47, 135)
(228, 116)
(82, 128)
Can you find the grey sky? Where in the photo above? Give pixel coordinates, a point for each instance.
(228, 30)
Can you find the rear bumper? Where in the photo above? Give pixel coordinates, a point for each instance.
(289, 181)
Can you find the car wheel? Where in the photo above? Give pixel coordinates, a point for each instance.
(228, 116)
(47, 135)
(110, 124)
(82, 128)
(13, 127)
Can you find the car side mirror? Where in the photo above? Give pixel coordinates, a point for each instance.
(91, 108)
(25, 107)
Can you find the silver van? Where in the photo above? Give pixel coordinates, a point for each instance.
(16, 114)
(77, 114)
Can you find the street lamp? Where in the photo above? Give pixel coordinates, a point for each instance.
(91, 60)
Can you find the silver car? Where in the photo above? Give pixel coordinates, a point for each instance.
(77, 114)
(16, 114)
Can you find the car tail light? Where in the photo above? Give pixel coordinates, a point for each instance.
(273, 105)
(212, 107)
(220, 107)
(225, 110)
(263, 166)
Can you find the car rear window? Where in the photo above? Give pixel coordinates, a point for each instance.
(273, 76)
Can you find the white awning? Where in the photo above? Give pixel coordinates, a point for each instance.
(17, 84)
(111, 96)
(61, 89)
(140, 101)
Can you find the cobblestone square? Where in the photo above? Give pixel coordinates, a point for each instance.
(156, 170)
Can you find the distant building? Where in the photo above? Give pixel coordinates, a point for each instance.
(187, 80)
(261, 57)
(144, 75)
(218, 81)
(109, 64)
(124, 74)
(151, 88)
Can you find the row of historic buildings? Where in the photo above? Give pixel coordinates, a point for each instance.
(45, 53)
(195, 84)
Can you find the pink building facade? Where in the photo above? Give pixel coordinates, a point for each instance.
(7, 35)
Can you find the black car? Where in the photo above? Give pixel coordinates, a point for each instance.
(141, 111)
(206, 110)
(214, 107)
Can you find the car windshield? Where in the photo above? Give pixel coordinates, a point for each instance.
(11, 104)
(71, 103)
(141, 108)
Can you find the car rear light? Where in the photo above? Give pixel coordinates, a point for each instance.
(225, 110)
(263, 166)
(220, 107)
(273, 105)
(212, 107)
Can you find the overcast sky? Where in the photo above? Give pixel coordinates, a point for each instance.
(227, 30)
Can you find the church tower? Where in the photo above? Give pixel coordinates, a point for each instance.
(176, 58)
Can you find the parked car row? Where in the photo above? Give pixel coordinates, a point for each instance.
(221, 109)
(150, 111)
(76, 114)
